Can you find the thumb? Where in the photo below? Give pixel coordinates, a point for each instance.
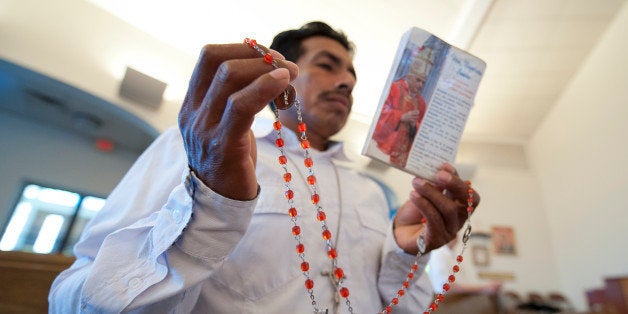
(244, 104)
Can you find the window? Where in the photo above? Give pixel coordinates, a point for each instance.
(48, 220)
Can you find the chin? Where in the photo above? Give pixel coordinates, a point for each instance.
(340, 124)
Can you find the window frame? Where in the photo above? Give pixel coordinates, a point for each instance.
(65, 236)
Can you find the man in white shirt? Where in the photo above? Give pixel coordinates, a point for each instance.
(201, 223)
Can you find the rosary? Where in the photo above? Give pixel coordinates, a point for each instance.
(285, 101)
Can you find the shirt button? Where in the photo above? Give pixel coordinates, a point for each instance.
(177, 216)
(135, 283)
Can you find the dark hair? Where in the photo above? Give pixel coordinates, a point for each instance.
(288, 43)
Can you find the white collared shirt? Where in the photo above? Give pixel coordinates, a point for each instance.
(166, 243)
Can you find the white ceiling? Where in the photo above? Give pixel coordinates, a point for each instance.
(532, 47)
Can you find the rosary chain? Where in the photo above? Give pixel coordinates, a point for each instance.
(315, 198)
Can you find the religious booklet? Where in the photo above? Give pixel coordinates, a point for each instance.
(424, 107)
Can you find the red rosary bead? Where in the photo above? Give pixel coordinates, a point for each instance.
(389, 309)
(440, 297)
(308, 162)
(309, 284)
(344, 292)
(315, 198)
(311, 180)
(296, 230)
(301, 127)
(279, 142)
(401, 293)
(287, 177)
(332, 253)
(252, 43)
(406, 284)
(321, 216)
(415, 267)
(300, 248)
(326, 234)
(339, 273)
(456, 268)
(289, 194)
(394, 301)
(292, 212)
(268, 58)
(452, 278)
(459, 258)
(446, 287)
(305, 144)
(283, 160)
(305, 266)
(410, 275)
(277, 125)
(434, 306)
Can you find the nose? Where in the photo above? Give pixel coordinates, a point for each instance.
(346, 82)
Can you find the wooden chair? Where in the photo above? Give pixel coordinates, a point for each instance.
(559, 301)
(510, 300)
(612, 298)
(25, 280)
(470, 303)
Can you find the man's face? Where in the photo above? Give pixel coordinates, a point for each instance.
(415, 83)
(324, 85)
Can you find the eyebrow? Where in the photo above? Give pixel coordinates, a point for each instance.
(336, 60)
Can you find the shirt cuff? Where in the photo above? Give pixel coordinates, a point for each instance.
(217, 223)
(390, 245)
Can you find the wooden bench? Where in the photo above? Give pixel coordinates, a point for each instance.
(25, 280)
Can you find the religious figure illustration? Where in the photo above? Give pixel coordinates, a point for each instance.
(402, 112)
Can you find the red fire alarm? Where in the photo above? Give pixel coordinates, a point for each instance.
(104, 145)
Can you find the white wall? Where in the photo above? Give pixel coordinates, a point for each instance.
(580, 155)
(32, 35)
(36, 153)
(511, 197)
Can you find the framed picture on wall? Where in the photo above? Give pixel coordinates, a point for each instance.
(504, 240)
(480, 254)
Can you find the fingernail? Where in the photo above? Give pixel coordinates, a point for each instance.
(280, 74)
(448, 167)
(293, 65)
(276, 54)
(419, 181)
(443, 176)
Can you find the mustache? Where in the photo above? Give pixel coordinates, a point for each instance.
(338, 93)
(345, 92)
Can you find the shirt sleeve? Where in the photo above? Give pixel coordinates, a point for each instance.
(395, 268)
(439, 267)
(157, 238)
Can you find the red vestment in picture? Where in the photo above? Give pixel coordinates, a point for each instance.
(393, 137)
